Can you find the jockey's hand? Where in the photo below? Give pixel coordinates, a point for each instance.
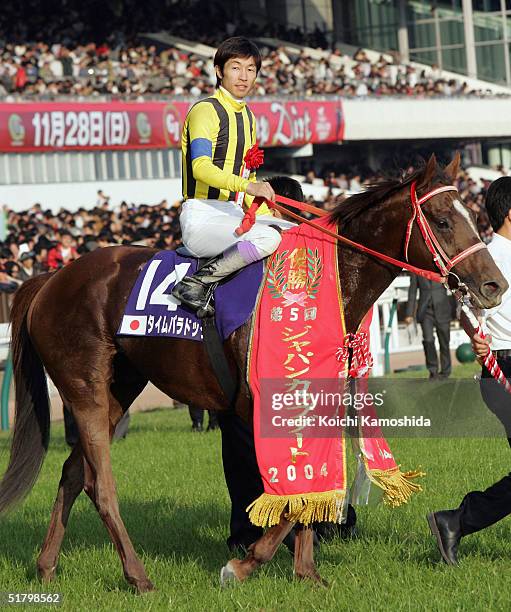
(408, 320)
(261, 189)
(480, 346)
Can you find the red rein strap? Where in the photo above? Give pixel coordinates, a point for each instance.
(320, 212)
(247, 224)
(250, 216)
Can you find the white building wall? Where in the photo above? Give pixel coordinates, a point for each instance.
(408, 118)
(75, 195)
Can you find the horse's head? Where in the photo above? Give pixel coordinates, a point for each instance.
(450, 232)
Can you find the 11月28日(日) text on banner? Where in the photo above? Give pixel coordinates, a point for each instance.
(56, 126)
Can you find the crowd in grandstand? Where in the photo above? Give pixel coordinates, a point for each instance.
(47, 72)
(39, 240)
(43, 71)
(89, 49)
(72, 22)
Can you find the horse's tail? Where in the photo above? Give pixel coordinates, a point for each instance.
(32, 418)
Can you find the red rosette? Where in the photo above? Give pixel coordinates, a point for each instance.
(254, 157)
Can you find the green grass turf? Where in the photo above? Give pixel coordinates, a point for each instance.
(463, 370)
(175, 506)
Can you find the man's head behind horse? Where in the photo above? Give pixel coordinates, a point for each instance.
(455, 227)
(498, 206)
(287, 187)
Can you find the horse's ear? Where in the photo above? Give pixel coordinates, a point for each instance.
(452, 168)
(430, 169)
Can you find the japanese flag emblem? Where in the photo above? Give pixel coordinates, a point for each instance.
(134, 326)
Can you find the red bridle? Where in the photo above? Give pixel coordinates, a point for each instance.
(440, 258)
(442, 261)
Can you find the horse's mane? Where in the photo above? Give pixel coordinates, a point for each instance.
(376, 193)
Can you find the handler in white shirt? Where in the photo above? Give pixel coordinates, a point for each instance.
(480, 509)
(497, 321)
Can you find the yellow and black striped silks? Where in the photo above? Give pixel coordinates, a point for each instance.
(217, 133)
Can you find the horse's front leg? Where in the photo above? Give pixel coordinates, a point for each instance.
(304, 566)
(260, 552)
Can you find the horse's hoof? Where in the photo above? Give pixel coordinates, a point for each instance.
(144, 586)
(46, 574)
(321, 582)
(228, 575)
(315, 578)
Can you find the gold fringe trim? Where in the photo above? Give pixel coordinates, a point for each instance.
(305, 508)
(397, 485)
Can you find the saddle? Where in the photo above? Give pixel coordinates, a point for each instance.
(151, 310)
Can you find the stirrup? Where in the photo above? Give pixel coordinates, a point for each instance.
(208, 309)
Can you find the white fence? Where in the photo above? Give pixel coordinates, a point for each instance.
(403, 339)
(5, 339)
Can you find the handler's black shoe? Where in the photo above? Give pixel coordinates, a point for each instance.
(445, 526)
(213, 421)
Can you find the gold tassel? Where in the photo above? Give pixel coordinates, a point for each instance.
(305, 508)
(397, 486)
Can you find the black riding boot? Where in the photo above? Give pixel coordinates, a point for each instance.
(195, 291)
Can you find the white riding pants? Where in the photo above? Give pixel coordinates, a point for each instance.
(208, 228)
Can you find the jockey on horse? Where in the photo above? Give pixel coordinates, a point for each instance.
(217, 133)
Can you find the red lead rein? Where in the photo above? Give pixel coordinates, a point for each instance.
(250, 216)
(470, 324)
(439, 257)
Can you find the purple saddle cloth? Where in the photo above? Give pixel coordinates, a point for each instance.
(152, 311)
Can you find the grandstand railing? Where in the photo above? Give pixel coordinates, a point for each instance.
(17, 98)
(80, 166)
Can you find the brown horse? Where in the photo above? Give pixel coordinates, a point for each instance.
(66, 322)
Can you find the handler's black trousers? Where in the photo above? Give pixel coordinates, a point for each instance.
(480, 509)
(241, 475)
(428, 325)
(197, 417)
